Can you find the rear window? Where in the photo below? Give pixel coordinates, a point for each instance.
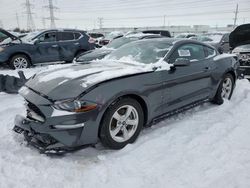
(65, 36)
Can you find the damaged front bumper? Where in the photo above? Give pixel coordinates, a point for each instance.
(44, 142)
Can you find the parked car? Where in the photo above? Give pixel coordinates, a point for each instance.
(113, 45)
(140, 83)
(219, 40)
(239, 40)
(43, 46)
(98, 37)
(185, 35)
(111, 36)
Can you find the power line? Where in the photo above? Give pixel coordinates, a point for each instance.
(30, 22)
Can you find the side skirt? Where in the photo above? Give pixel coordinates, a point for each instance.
(177, 111)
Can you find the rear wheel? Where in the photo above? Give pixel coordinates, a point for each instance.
(225, 89)
(19, 61)
(121, 123)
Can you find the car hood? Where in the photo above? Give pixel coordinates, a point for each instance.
(242, 49)
(71, 81)
(240, 36)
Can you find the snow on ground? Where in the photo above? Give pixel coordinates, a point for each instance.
(205, 147)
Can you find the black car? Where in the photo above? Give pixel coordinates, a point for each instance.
(240, 44)
(163, 33)
(113, 45)
(140, 83)
(43, 46)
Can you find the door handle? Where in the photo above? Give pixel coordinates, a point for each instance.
(54, 46)
(207, 68)
(77, 43)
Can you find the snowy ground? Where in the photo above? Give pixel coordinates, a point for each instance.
(207, 146)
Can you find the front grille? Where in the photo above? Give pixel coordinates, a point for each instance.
(34, 113)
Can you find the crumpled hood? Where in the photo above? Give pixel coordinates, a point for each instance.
(71, 81)
(240, 36)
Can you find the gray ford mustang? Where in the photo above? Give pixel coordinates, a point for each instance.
(112, 99)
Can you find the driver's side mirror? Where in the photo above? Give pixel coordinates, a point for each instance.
(181, 62)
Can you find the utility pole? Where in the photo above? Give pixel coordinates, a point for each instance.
(52, 17)
(236, 15)
(17, 21)
(100, 21)
(30, 22)
(164, 21)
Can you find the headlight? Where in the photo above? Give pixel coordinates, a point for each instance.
(1, 49)
(75, 105)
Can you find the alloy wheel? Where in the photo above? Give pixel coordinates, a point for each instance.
(227, 87)
(124, 123)
(20, 63)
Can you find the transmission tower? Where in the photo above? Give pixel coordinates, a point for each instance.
(17, 21)
(52, 17)
(30, 22)
(100, 21)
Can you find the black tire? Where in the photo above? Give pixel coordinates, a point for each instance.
(20, 56)
(218, 99)
(105, 134)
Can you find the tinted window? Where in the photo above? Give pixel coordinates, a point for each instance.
(48, 37)
(77, 35)
(64, 36)
(226, 37)
(189, 51)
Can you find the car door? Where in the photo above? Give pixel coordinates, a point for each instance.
(68, 45)
(47, 49)
(184, 85)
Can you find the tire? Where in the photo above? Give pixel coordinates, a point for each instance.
(223, 93)
(117, 128)
(19, 61)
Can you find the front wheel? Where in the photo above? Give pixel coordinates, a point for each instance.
(121, 123)
(19, 61)
(225, 89)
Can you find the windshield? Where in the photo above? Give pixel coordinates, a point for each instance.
(113, 34)
(116, 43)
(141, 51)
(30, 36)
(213, 37)
(204, 39)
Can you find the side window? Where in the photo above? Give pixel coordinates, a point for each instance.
(65, 36)
(226, 38)
(210, 52)
(77, 35)
(192, 52)
(48, 37)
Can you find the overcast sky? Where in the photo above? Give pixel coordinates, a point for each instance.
(84, 14)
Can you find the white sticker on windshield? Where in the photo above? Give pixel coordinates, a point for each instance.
(184, 53)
